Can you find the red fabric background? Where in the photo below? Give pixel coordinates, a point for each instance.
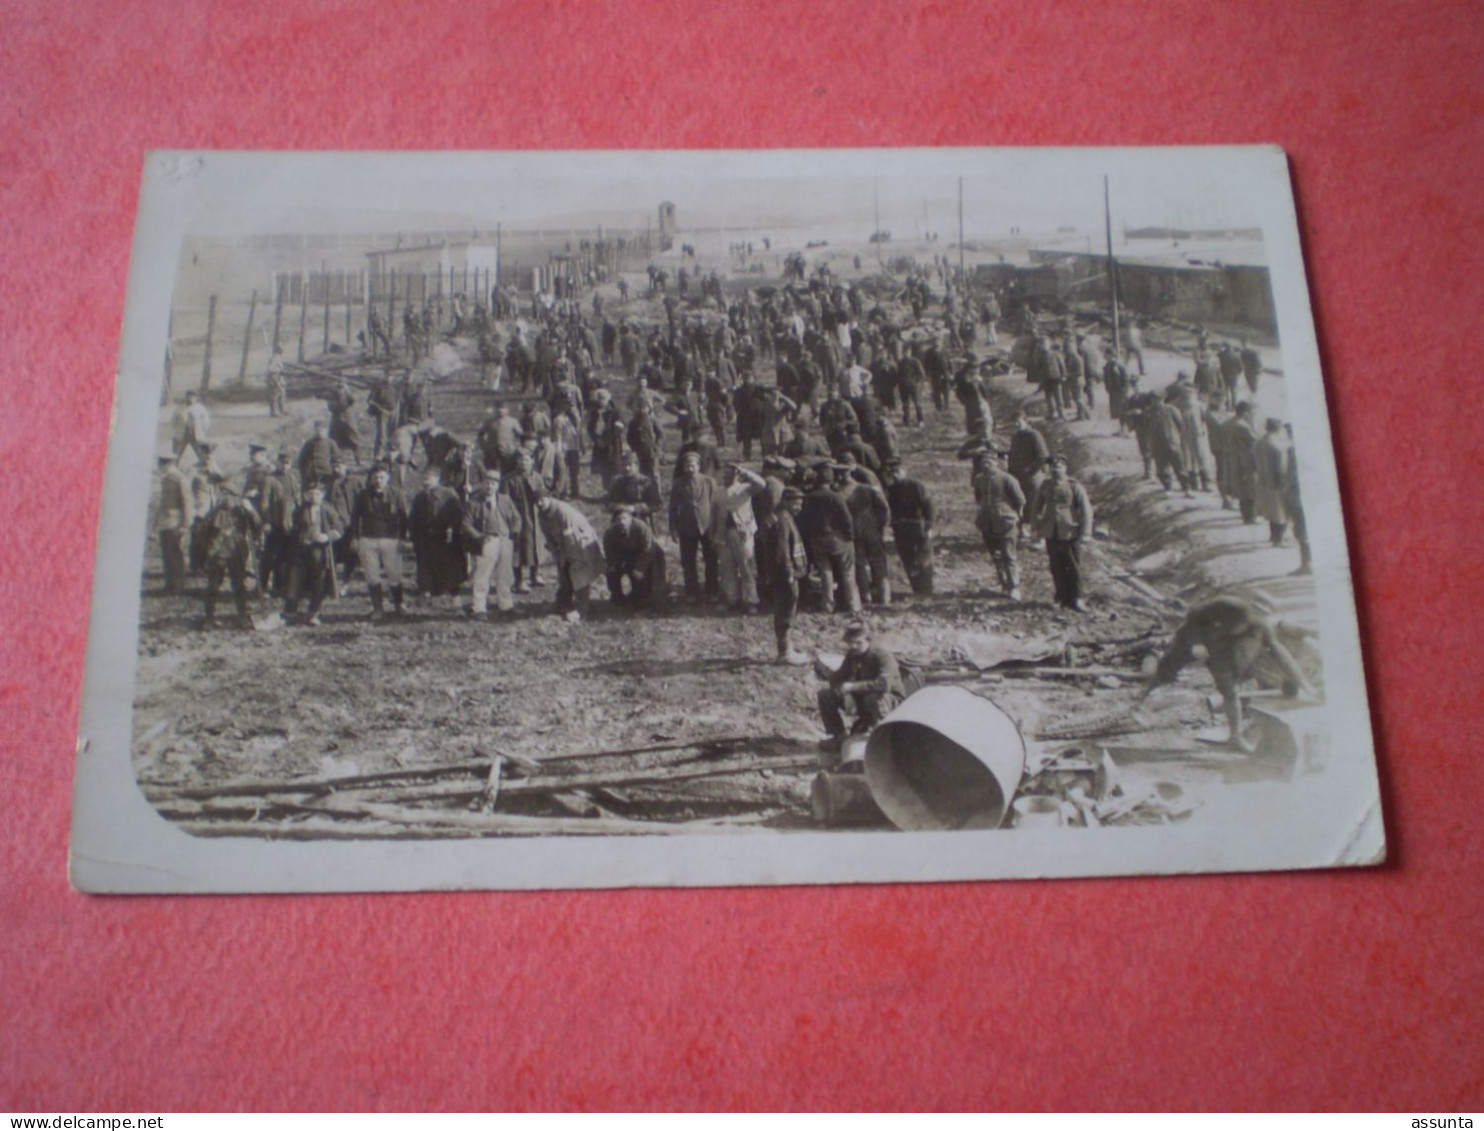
(1313, 990)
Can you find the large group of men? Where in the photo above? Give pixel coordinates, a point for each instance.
(807, 522)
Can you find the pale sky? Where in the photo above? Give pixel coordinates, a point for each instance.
(1036, 190)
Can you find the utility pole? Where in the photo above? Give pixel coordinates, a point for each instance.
(1112, 265)
(962, 276)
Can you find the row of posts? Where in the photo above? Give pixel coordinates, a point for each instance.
(482, 277)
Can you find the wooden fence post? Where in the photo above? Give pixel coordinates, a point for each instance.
(303, 314)
(277, 307)
(252, 308)
(325, 279)
(210, 329)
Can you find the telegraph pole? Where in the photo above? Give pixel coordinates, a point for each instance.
(1112, 265)
(963, 278)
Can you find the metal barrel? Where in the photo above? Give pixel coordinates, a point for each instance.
(843, 799)
(945, 759)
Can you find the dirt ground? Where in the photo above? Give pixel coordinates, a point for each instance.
(391, 729)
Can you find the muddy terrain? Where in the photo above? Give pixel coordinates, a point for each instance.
(680, 720)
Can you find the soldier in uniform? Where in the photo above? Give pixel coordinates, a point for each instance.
(1001, 507)
(227, 550)
(174, 516)
(1062, 514)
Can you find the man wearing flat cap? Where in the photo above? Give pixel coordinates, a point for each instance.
(633, 555)
(491, 524)
(786, 564)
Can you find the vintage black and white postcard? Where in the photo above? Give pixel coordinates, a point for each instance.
(522, 520)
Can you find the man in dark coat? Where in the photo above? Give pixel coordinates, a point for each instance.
(1116, 381)
(1239, 454)
(341, 490)
(633, 555)
(435, 522)
(910, 378)
(829, 534)
(343, 431)
(378, 523)
(316, 457)
(1028, 456)
(869, 516)
(636, 489)
(645, 438)
(317, 526)
(911, 524)
(281, 494)
(227, 544)
(1251, 366)
(524, 488)
(785, 564)
(868, 681)
(691, 507)
(1049, 370)
(383, 407)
